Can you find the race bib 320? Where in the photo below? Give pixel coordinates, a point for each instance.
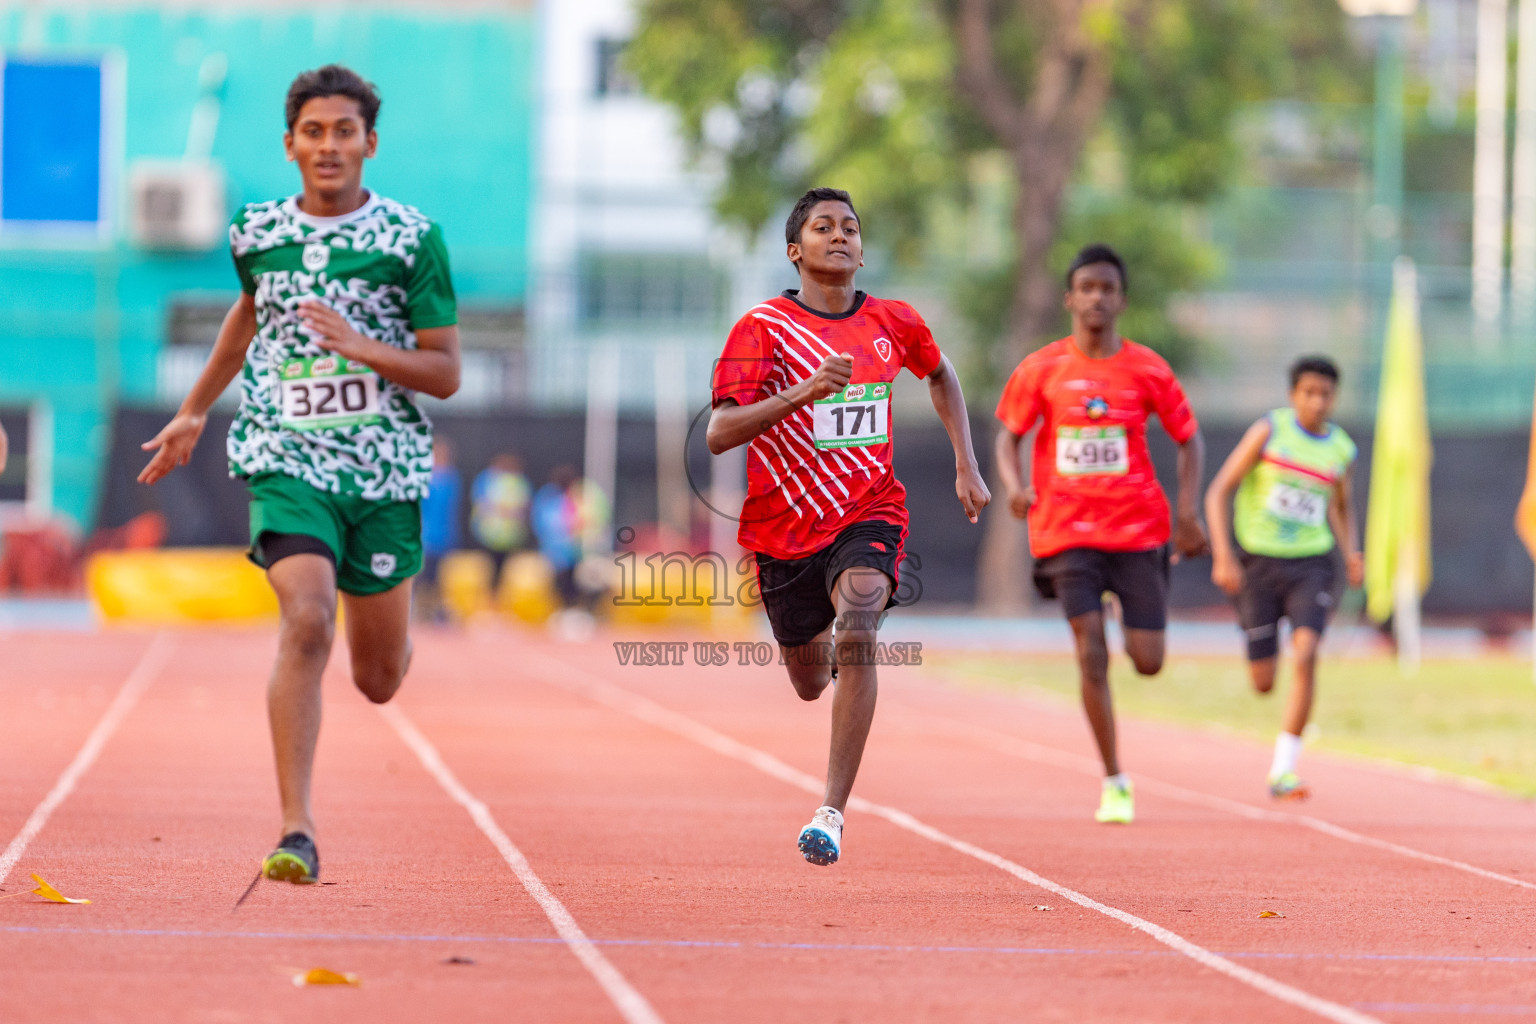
(328, 391)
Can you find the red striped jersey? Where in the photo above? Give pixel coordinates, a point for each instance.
(820, 469)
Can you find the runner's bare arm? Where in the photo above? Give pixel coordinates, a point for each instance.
(4, 448)
(432, 366)
(949, 403)
(732, 424)
(1341, 516)
(1011, 452)
(1189, 539)
(1226, 571)
(173, 445)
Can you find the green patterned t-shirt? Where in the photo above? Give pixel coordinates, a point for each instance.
(305, 412)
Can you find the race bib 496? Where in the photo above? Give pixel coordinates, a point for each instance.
(858, 415)
(1092, 451)
(328, 391)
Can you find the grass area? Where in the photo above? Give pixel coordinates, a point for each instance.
(1474, 717)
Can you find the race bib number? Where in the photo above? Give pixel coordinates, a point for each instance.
(1092, 451)
(1298, 505)
(859, 415)
(328, 391)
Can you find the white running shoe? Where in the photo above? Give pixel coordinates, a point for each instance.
(822, 840)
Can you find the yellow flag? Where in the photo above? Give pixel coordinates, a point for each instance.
(1397, 518)
(1525, 514)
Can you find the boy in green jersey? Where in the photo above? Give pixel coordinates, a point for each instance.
(1291, 474)
(346, 310)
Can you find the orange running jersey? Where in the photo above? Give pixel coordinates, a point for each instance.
(1093, 478)
(827, 465)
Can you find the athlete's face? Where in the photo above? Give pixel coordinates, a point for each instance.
(830, 242)
(329, 143)
(1313, 398)
(1096, 297)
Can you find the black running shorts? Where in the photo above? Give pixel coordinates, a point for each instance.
(1082, 576)
(797, 592)
(1303, 590)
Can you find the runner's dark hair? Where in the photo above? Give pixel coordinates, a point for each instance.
(1320, 365)
(802, 211)
(1098, 252)
(332, 80)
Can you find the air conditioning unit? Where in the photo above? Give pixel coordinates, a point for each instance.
(176, 204)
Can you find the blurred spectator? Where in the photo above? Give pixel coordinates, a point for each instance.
(498, 515)
(553, 514)
(440, 512)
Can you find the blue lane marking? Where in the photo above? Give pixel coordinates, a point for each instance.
(175, 933)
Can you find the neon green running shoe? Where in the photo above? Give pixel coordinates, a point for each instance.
(294, 860)
(1116, 805)
(1288, 787)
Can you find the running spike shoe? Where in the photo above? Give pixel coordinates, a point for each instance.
(295, 860)
(822, 840)
(1116, 805)
(1288, 786)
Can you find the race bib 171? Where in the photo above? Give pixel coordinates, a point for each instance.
(328, 391)
(1092, 451)
(858, 415)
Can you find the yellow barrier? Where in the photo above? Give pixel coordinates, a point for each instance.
(179, 585)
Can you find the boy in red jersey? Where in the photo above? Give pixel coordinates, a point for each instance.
(805, 382)
(1098, 519)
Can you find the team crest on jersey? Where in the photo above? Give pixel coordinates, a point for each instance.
(383, 564)
(316, 256)
(883, 347)
(1095, 407)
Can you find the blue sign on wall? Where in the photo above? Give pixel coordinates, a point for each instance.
(50, 142)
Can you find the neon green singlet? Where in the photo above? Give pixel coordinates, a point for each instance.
(1282, 504)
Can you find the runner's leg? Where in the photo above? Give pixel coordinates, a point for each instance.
(810, 665)
(860, 597)
(1093, 670)
(306, 595)
(1298, 705)
(378, 636)
(1145, 648)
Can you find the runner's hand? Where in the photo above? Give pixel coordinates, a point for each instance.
(1189, 539)
(972, 490)
(172, 446)
(1354, 569)
(331, 331)
(831, 376)
(1227, 573)
(1021, 501)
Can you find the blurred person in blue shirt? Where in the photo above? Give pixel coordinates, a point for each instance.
(441, 511)
(553, 515)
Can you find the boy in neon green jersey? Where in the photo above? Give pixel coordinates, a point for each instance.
(1291, 474)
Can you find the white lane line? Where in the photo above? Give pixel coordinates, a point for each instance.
(1029, 750)
(150, 663)
(593, 687)
(632, 1006)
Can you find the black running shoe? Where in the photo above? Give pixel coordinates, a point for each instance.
(294, 860)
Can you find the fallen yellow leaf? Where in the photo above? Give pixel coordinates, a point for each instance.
(322, 976)
(48, 892)
(1270, 913)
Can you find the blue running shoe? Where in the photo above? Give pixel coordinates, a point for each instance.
(822, 840)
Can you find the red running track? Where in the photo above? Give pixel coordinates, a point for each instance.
(652, 813)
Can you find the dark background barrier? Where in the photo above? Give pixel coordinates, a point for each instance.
(1480, 567)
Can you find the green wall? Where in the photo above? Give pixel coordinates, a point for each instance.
(81, 326)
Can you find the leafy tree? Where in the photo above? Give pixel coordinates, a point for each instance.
(899, 101)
